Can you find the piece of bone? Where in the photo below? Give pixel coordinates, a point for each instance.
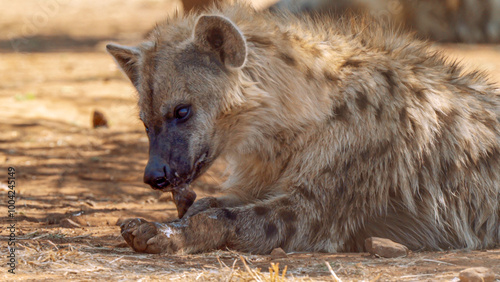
(183, 198)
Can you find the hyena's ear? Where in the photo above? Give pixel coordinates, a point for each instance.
(126, 58)
(219, 35)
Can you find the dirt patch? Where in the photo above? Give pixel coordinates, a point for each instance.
(65, 169)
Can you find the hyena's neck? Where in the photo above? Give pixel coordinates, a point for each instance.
(291, 87)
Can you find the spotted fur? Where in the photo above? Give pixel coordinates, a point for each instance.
(333, 131)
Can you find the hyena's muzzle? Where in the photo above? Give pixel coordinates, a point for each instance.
(169, 164)
(171, 169)
(158, 174)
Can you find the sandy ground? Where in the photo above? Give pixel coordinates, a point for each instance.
(55, 73)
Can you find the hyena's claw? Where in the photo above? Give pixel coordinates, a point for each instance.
(149, 237)
(133, 231)
(131, 223)
(129, 229)
(141, 236)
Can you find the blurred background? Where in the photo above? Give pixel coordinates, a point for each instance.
(55, 25)
(471, 21)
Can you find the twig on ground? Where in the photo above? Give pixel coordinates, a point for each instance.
(438, 261)
(335, 277)
(250, 271)
(50, 242)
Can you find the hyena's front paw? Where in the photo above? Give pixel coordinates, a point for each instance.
(150, 237)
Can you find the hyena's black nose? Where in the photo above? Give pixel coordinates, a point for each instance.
(156, 174)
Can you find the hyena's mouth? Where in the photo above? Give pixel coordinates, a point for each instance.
(199, 167)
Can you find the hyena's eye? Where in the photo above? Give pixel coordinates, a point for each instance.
(146, 127)
(182, 112)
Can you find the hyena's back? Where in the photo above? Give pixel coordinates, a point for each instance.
(431, 172)
(334, 133)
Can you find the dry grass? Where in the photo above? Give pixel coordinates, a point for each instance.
(60, 255)
(48, 261)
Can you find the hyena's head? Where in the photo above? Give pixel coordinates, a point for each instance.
(187, 78)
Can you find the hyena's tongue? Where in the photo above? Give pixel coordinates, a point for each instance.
(183, 198)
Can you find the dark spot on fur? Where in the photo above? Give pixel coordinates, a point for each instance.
(413, 125)
(426, 161)
(471, 160)
(449, 168)
(260, 40)
(315, 230)
(306, 193)
(362, 101)
(421, 96)
(287, 216)
(261, 210)
(488, 121)
(285, 202)
(341, 188)
(493, 156)
(447, 118)
(288, 59)
(422, 172)
(485, 161)
(271, 230)
(309, 74)
(286, 35)
(378, 112)
(316, 227)
(290, 231)
(352, 63)
(383, 148)
(331, 77)
(341, 112)
(365, 155)
(287, 162)
(315, 52)
(391, 84)
(228, 214)
(376, 151)
(403, 117)
(237, 231)
(347, 166)
(328, 170)
(361, 179)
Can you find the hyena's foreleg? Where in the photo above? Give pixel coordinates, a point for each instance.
(289, 222)
(206, 203)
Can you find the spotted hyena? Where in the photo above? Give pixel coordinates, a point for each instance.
(334, 132)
